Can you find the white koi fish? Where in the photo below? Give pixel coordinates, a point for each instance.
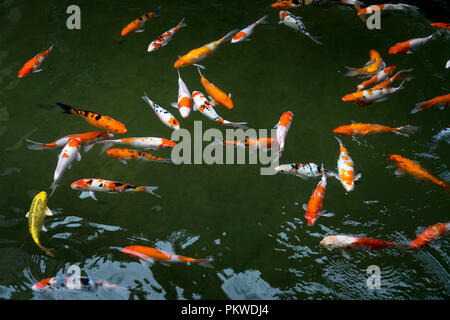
(346, 169)
(245, 33)
(296, 23)
(165, 37)
(165, 116)
(69, 153)
(184, 103)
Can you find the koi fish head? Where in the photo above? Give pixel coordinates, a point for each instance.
(282, 5)
(118, 128)
(344, 130)
(284, 14)
(80, 184)
(24, 71)
(174, 123)
(181, 62)
(397, 48)
(166, 143)
(390, 69)
(394, 157)
(115, 152)
(284, 168)
(41, 197)
(44, 283)
(362, 11)
(337, 241)
(74, 143)
(352, 97)
(154, 46)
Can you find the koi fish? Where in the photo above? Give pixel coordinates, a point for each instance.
(315, 204)
(408, 166)
(204, 106)
(150, 254)
(296, 23)
(396, 76)
(36, 216)
(304, 171)
(430, 234)
(165, 37)
(345, 242)
(68, 154)
(373, 66)
(138, 24)
(357, 4)
(290, 4)
(252, 144)
(87, 139)
(80, 283)
(145, 143)
(387, 6)
(282, 127)
(441, 25)
(165, 116)
(129, 154)
(88, 186)
(411, 45)
(201, 53)
(365, 128)
(366, 97)
(245, 33)
(442, 135)
(33, 64)
(215, 94)
(184, 103)
(346, 169)
(440, 102)
(96, 119)
(447, 65)
(380, 76)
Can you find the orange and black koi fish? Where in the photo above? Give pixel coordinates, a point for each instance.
(129, 154)
(138, 24)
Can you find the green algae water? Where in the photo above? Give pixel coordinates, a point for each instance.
(251, 225)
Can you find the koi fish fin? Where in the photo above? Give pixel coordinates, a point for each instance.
(146, 262)
(229, 35)
(212, 101)
(263, 20)
(67, 109)
(339, 140)
(217, 140)
(123, 161)
(280, 22)
(48, 212)
(199, 66)
(169, 162)
(156, 11)
(382, 99)
(174, 104)
(345, 254)
(150, 189)
(106, 146)
(447, 65)
(164, 263)
(352, 72)
(304, 206)
(140, 30)
(36, 145)
(315, 39)
(241, 125)
(326, 214)
(205, 263)
(182, 23)
(53, 188)
(38, 70)
(47, 251)
(51, 47)
(27, 215)
(399, 173)
(406, 130)
(357, 176)
(43, 228)
(78, 156)
(86, 194)
(88, 146)
(402, 246)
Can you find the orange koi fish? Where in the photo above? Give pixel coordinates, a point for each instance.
(201, 53)
(252, 143)
(88, 186)
(430, 234)
(138, 24)
(282, 127)
(245, 33)
(440, 102)
(414, 169)
(345, 242)
(150, 254)
(129, 154)
(184, 103)
(380, 76)
(441, 25)
(373, 66)
(165, 37)
(315, 204)
(365, 128)
(95, 119)
(396, 76)
(215, 94)
(346, 169)
(410, 46)
(33, 64)
(387, 6)
(87, 139)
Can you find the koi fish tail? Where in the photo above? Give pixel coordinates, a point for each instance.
(315, 39)
(182, 23)
(241, 125)
(51, 47)
(67, 109)
(339, 140)
(408, 7)
(406, 130)
(419, 107)
(107, 145)
(148, 189)
(217, 141)
(53, 188)
(205, 263)
(36, 145)
(353, 72)
(198, 68)
(263, 20)
(446, 186)
(46, 250)
(229, 35)
(156, 11)
(169, 162)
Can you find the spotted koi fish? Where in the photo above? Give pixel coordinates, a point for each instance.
(150, 254)
(184, 103)
(412, 45)
(36, 216)
(62, 282)
(366, 97)
(345, 242)
(87, 139)
(88, 186)
(304, 171)
(204, 106)
(144, 143)
(215, 94)
(365, 128)
(441, 25)
(165, 37)
(68, 154)
(96, 119)
(380, 76)
(387, 6)
(346, 169)
(165, 116)
(373, 66)
(397, 76)
(245, 33)
(282, 127)
(315, 204)
(408, 166)
(138, 24)
(430, 234)
(440, 102)
(129, 154)
(33, 64)
(296, 23)
(252, 144)
(201, 53)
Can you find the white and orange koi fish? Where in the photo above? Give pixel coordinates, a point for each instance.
(184, 103)
(251, 144)
(142, 142)
(33, 64)
(380, 76)
(346, 169)
(346, 242)
(304, 171)
(87, 139)
(129, 154)
(315, 204)
(165, 116)
(387, 6)
(204, 106)
(245, 33)
(386, 83)
(282, 127)
(68, 154)
(296, 23)
(366, 97)
(411, 45)
(165, 37)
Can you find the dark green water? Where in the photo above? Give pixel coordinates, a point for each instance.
(253, 226)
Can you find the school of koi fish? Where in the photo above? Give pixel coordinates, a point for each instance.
(377, 87)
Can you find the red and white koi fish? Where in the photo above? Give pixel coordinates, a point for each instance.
(282, 127)
(89, 185)
(373, 66)
(165, 37)
(129, 154)
(380, 76)
(386, 83)
(165, 116)
(144, 143)
(138, 24)
(245, 33)
(68, 154)
(252, 144)
(87, 139)
(296, 23)
(315, 204)
(411, 45)
(304, 171)
(345, 242)
(366, 97)
(201, 53)
(430, 234)
(346, 169)
(440, 102)
(204, 106)
(184, 103)
(33, 64)
(387, 6)
(150, 254)
(441, 25)
(366, 128)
